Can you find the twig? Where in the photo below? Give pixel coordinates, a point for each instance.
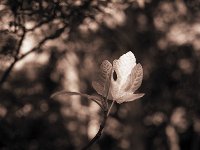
(93, 98)
(8, 70)
(98, 135)
(110, 108)
(17, 58)
(102, 125)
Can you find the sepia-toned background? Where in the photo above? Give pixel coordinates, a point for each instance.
(52, 45)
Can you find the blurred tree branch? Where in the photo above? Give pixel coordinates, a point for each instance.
(17, 58)
(70, 19)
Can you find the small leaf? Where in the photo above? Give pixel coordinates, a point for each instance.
(134, 81)
(68, 93)
(103, 83)
(96, 99)
(137, 76)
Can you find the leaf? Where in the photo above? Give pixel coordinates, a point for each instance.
(103, 83)
(94, 98)
(68, 93)
(135, 79)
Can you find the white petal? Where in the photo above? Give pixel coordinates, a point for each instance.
(124, 65)
(122, 68)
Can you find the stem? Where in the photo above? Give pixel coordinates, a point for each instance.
(110, 108)
(105, 117)
(80, 94)
(102, 125)
(98, 135)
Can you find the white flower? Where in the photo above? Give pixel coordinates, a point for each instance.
(120, 81)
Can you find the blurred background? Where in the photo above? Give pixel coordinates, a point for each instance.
(52, 45)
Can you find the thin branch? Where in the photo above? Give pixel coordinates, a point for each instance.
(102, 125)
(40, 24)
(17, 58)
(52, 36)
(98, 135)
(8, 70)
(92, 98)
(110, 108)
(21, 40)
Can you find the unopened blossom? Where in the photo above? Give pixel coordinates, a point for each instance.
(119, 81)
